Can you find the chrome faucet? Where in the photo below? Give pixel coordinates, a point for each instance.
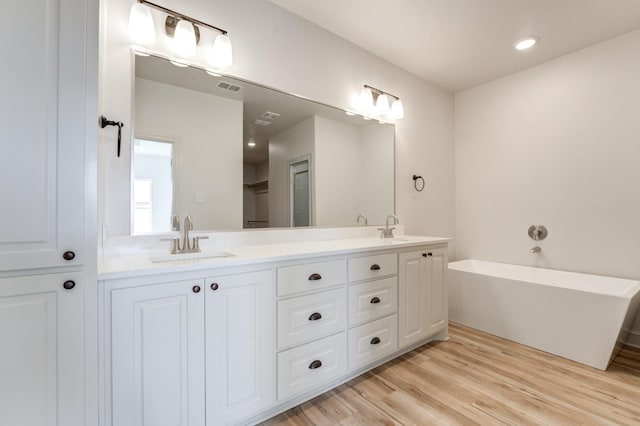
(535, 249)
(187, 245)
(387, 232)
(188, 226)
(361, 216)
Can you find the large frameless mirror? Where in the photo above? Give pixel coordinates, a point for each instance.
(237, 155)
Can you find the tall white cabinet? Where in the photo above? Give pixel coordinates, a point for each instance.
(43, 82)
(48, 82)
(41, 350)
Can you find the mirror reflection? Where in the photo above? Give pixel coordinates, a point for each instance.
(236, 155)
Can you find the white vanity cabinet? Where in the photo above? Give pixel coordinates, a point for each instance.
(236, 345)
(240, 346)
(422, 295)
(45, 88)
(157, 354)
(42, 350)
(192, 352)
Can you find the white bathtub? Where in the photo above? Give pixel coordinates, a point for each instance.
(585, 318)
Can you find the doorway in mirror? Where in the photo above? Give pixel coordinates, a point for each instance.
(152, 200)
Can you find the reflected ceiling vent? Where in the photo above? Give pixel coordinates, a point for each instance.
(228, 86)
(261, 123)
(271, 115)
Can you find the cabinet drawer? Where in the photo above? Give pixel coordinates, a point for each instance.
(372, 341)
(311, 276)
(306, 318)
(304, 367)
(373, 300)
(367, 267)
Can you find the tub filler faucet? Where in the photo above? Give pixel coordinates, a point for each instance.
(535, 250)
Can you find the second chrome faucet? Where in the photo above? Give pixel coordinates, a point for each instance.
(387, 231)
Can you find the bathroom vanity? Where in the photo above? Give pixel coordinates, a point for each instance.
(238, 339)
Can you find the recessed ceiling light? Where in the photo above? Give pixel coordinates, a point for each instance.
(251, 144)
(526, 43)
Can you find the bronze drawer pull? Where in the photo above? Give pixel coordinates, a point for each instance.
(315, 364)
(375, 340)
(375, 267)
(315, 316)
(315, 277)
(375, 300)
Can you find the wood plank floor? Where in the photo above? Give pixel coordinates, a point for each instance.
(477, 378)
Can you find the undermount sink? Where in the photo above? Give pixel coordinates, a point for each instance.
(189, 256)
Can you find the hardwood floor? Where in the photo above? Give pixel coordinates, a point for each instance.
(477, 378)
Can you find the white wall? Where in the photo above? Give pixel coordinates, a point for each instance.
(353, 173)
(207, 131)
(377, 180)
(276, 48)
(555, 145)
(337, 171)
(284, 147)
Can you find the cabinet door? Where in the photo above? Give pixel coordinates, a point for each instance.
(42, 137)
(422, 306)
(438, 308)
(240, 335)
(42, 350)
(157, 355)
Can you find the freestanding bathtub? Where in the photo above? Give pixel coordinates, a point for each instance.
(585, 318)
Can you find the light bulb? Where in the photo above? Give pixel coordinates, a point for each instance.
(141, 29)
(382, 105)
(184, 39)
(366, 100)
(221, 54)
(397, 110)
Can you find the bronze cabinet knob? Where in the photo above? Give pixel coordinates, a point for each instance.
(69, 284)
(196, 289)
(68, 255)
(214, 286)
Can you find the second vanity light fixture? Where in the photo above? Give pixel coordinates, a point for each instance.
(379, 104)
(183, 29)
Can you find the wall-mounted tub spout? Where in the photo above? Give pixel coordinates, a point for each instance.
(535, 249)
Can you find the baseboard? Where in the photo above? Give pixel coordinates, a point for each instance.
(633, 339)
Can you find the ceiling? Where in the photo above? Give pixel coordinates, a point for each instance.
(457, 44)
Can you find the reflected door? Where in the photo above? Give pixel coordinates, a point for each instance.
(152, 186)
(300, 193)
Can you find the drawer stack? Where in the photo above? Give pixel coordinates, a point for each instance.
(333, 317)
(373, 307)
(311, 324)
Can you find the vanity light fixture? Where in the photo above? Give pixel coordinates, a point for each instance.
(185, 32)
(526, 43)
(381, 110)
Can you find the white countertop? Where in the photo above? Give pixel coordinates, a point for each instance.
(139, 264)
